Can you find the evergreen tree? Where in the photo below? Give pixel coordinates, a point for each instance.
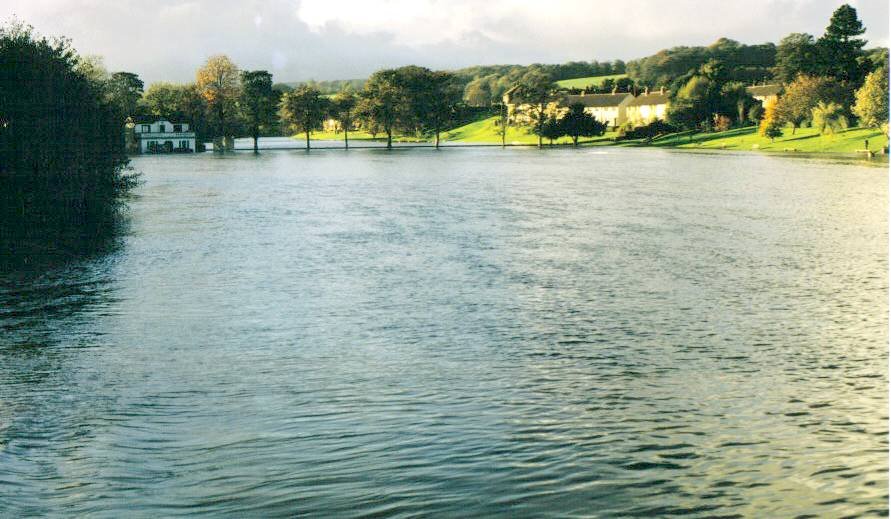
(578, 123)
(840, 48)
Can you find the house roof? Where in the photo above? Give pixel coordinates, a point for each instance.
(595, 100)
(764, 90)
(654, 98)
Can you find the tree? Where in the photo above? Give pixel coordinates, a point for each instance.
(62, 153)
(693, 105)
(537, 88)
(756, 112)
(771, 126)
(734, 94)
(304, 109)
(802, 95)
(797, 54)
(124, 90)
(440, 98)
(343, 109)
(551, 130)
(840, 48)
(379, 104)
(829, 117)
(257, 102)
(871, 106)
(578, 123)
(219, 82)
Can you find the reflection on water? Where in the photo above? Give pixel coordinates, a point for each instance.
(464, 332)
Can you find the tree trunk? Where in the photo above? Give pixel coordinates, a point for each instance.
(346, 138)
(307, 139)
(437, 139)
(389, 138)
(256, 146)
(575, 140)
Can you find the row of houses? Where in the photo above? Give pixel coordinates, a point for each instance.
(617, 108)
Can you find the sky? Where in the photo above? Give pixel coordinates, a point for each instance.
(167, 40)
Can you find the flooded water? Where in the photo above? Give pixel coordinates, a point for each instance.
(468, 332)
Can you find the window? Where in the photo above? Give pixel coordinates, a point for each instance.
(184, 145)
(177, 128)
(146, 128)
(162, 128)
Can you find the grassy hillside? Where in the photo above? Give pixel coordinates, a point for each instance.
(486, 131)
(804, 140)
(583, 82)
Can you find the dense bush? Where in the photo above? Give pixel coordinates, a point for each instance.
(652, 130)
(62, 155)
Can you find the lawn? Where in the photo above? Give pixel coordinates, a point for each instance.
(804, 140)
(583, 82)
(487, 131)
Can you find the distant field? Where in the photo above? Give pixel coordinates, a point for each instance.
(582, 82)
(804, 140)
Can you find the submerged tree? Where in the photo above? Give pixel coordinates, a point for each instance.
(536, 88)
(441, 97)
(304, 109)
(257, 102)
(578, 123)
(343, 110)
(219, 82)
(550, 130)
(380, 103)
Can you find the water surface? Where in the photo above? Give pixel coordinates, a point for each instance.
(469, 332)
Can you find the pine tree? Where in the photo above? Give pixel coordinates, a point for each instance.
(839, 47)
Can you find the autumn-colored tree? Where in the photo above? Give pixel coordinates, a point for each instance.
(771, 126)
(871, 106)
(802, 95)
(219, 81)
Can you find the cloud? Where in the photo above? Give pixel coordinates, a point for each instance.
(327, 39)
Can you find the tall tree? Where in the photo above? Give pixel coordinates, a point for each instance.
(304, 109)
(797, 54)
(441, 97)
(124, 90)
(379, 104)
(537, 89)
(871, 106)
(343, 110)
(257, 102)
(578, 123)
(219, 83)
(840, 47)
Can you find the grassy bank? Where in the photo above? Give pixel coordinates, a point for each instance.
(807, 140)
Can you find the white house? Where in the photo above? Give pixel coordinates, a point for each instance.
(162, 136)
(607, 108)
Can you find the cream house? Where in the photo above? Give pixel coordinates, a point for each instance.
(606, 108)
(647, 107)
(765, 93)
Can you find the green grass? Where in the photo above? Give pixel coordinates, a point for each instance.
(486, 131)
(806, 140)
(583, 82)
